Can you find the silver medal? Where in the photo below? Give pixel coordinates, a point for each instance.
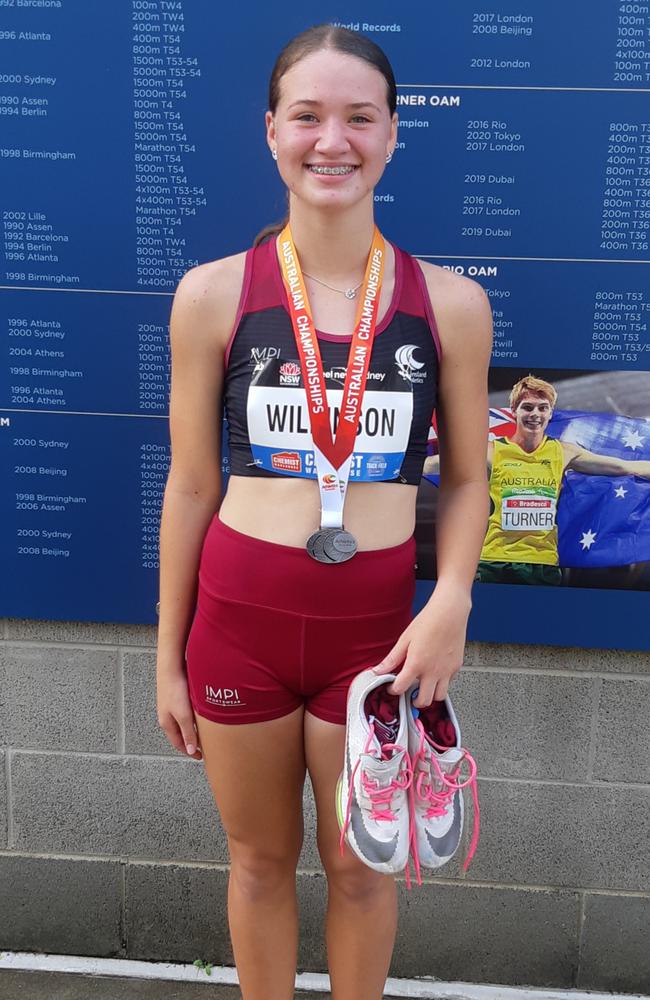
(331, 545)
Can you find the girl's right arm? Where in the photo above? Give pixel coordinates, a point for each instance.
(203, 313)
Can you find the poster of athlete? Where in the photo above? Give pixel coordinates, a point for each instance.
(568, 463)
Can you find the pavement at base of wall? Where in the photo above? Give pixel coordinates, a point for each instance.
(21, 984)
(65, 986)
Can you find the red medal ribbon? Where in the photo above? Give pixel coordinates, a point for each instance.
(339, 449)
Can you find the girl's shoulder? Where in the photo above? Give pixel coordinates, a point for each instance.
(216, 278)
(449, 288)
(461, 307)
(207, 297)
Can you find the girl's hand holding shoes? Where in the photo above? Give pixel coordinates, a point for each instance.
(431, 649)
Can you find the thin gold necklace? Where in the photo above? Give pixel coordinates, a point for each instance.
(350, 293)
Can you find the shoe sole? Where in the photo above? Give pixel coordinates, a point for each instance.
(339, 803)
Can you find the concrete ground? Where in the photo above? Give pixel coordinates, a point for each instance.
(64, 986)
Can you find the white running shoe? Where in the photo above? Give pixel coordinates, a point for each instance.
(371, 797)
(437, 802)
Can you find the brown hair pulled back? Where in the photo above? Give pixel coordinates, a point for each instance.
(326, 36)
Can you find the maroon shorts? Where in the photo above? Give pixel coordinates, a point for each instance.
(274, 629)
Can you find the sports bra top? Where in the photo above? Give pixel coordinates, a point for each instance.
(265, 402)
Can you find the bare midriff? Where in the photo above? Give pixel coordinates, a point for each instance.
(287, 511)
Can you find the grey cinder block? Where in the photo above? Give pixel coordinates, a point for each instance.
(425, 910)
(547, 834)
(623, 732)
(524, 657)
(142, 733)
(525, 725)
(124, 807)
(100, 633)
(615, 952)
(66, 907)
(312, 905)
(518, 936)
(309, 857)
(488, 935)
(3, 802)
(59, 698)
(177, 913)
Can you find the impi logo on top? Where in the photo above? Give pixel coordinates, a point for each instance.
(260, 356)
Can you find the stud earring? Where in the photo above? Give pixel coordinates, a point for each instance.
(274, 154)
(389, 157)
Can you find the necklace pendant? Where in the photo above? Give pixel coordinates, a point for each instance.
(350, 293)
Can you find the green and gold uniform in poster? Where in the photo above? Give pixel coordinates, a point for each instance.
(524, 491)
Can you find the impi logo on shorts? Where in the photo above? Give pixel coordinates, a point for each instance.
(223, 697)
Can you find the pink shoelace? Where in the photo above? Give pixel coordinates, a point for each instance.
(439, 801)
(380, 796)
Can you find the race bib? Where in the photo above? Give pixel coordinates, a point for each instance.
(531, 509)
(279, 431)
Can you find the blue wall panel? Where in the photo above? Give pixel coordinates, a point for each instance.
(132, 147)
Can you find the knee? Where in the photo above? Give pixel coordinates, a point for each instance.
(260, 874)
(355, 883)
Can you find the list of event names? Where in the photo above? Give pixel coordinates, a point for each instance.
(632, 45)
(626, 201)
(164, 153)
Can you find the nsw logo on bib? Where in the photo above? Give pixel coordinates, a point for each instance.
(280, 435)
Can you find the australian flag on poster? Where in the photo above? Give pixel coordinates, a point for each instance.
(603, 520)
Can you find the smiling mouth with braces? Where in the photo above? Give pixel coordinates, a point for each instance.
(330, 170)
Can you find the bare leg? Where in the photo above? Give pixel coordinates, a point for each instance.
(257, 773)
(362, 904)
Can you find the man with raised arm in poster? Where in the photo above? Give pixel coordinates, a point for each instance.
(526, 476)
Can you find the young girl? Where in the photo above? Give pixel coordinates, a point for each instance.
(277, 594)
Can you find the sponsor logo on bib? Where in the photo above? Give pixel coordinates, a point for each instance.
(286, 461)
(528, 510)
(376, 465)
(338, 375)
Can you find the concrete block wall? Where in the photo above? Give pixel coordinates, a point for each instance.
(110, 844)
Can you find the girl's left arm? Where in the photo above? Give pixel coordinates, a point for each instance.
(431, 648)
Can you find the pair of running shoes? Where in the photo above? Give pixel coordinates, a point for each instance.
(400, 794)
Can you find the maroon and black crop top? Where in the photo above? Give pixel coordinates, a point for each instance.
(266, 410)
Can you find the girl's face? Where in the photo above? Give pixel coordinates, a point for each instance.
(332, 129)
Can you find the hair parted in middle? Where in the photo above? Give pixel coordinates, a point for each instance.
(328, 36)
